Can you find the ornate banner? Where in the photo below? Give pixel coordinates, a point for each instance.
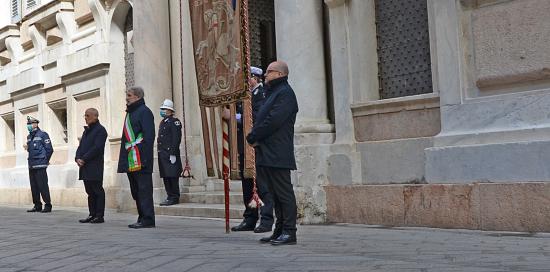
(219, 51)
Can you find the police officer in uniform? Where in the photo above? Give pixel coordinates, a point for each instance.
(250, 216)
(168, 145)
(39, 147)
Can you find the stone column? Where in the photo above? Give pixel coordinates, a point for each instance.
(299, 34)
(152, 59)
(187, 99)
(339, 53)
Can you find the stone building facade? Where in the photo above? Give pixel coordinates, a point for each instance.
(412, 113)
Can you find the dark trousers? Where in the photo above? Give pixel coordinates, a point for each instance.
(280, 186)
(39, 186)
(96, 197)
(172, 189)
(251, 215)
(141, 186)
(266, 212)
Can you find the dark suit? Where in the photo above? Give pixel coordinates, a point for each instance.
(168, 144)
(141, 182)
(266, 212)
(273, 132)
(39, 147)
(91, 150)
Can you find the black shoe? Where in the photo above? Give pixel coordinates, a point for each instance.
(141, 226)
(35, 209)
(284, 239)
(87, 220)
(47, 209)
(97, 220)
(270, 238)
(169, 202)
(262, 228)
(243, 226)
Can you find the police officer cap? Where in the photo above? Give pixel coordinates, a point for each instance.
(256, 71)
(167, 105)
(31, 120)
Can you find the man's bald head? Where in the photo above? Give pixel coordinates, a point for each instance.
(280, 66)
(275, 70)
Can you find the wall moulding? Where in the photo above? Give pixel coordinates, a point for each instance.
(407, 103)
(505, 46)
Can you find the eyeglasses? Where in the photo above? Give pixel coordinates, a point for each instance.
(269, 71)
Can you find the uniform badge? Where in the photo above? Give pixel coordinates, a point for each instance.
(177, 123)
(47, 141)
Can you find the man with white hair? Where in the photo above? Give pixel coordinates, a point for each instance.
(136, 155)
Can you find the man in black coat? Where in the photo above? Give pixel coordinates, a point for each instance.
(250, 215)
(89, 157)
(273, 137)
(168, 146)
(136, 155)
(39, 147)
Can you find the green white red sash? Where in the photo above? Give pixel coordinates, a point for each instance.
(134, 158)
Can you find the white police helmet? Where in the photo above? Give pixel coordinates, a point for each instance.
(256, 71)
(167, 105)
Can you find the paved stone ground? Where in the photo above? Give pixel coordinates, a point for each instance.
(57, 242)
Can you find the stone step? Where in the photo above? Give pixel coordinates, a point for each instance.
(217, 185)
(200, 210)
(213, 197)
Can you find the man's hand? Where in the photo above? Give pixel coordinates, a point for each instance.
(172, 159)
(226, 114)
(254, 144)
(80, 162)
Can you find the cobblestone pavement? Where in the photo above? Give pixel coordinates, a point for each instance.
(57, 242)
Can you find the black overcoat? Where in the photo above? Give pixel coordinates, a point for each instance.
(142, 121)
(168, 144)
(91, 150)
(273, 128)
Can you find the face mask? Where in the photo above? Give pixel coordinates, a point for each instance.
(29, 127)
(162, 114)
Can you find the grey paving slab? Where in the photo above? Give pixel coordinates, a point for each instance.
(57, 242)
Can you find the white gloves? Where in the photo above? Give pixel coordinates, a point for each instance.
(172, 159)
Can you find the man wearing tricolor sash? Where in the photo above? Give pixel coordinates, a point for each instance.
(136, 155)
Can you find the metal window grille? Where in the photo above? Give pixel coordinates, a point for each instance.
(404, 65)
(262, 32)
(32, 3)
(128, 55)
(15, 11)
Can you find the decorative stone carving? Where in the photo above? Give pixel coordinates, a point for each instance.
(14, 48)
(38, 37)
(67, 25)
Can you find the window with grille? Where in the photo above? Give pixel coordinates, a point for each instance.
(404, 65)
(262, 32)
(31, 4)
(15, 11)
(128, 50)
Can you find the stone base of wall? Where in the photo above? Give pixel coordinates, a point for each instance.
(482, 206)
(68, 197)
